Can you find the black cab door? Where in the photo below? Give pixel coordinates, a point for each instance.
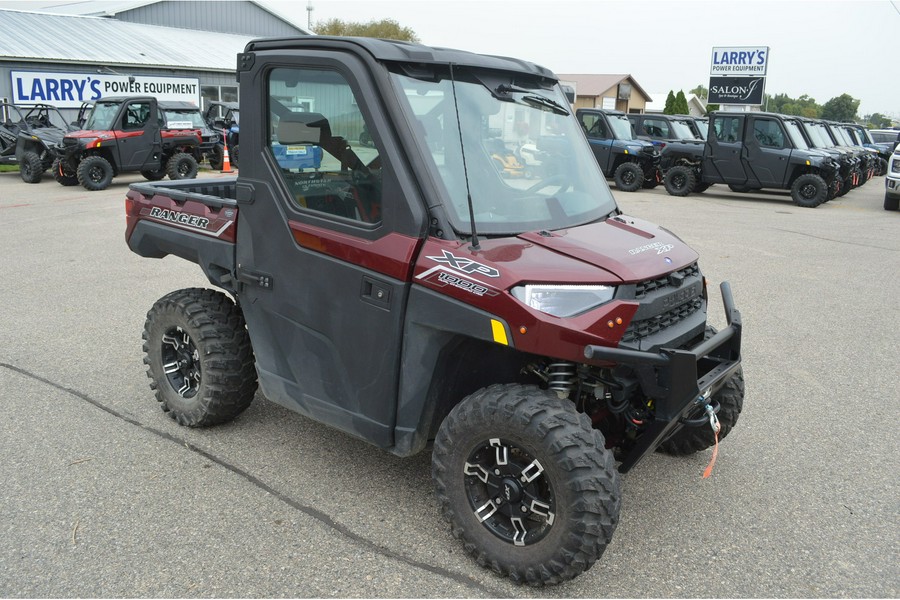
(138, 135)
(329, 228)
(768, 151)
(724, 149)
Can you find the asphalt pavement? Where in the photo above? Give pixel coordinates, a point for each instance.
(102, 495)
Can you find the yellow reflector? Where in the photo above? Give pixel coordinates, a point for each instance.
(626, 152)
(499, 332)
(807, 163)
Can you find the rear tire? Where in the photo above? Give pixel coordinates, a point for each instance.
(233, 155)
(629, 177)
(182, 166)
(94, 173)
(198, 356)
(154, 175)
(31, 169)
(680, 180)
(63, 175)
(526, 483)
(809, 190)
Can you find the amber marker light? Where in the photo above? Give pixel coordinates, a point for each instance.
(523, 330)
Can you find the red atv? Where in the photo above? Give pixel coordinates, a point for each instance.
(126, 134)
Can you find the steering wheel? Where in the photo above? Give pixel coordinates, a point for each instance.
(557, 179)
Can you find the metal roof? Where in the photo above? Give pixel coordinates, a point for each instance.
(68, 39)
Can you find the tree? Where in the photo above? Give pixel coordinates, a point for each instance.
(841, 108)
(878, 121)
(681, 106)
(670, 104)
(385, 28)
(700, 91)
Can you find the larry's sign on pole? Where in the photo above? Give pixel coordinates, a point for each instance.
(740, 61)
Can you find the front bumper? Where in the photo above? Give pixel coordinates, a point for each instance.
(678, 380)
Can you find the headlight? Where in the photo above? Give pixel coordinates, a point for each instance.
(563, 300)
(895, 165)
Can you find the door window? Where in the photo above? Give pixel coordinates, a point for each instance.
(136, 115)
(594, 126)
(656, 128)
(728, 129)
(323, 145)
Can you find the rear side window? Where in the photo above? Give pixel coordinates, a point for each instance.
(728, 129)
(321, 142)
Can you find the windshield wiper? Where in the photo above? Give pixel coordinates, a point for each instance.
(532, 98)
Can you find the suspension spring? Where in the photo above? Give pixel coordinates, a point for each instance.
(561, 377)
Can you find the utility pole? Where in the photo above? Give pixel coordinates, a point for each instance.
(309, 9)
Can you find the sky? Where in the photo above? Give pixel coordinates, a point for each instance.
(819, 48)
(823, 49)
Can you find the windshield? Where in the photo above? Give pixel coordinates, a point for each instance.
(184, 119)
(102, 115)
(793, 129)
(703, 127)
(682, 131)
(842, 136)
(527, 162)
(622, 126)
(817, 136)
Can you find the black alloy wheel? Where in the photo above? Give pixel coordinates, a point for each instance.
(181, 362)
(508, 492)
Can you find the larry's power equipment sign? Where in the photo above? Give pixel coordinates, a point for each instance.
(741, 61)
(69, 90)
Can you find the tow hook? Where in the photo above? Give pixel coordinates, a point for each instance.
(713, 419)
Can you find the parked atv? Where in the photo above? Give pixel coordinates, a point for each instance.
(30, 135)
(224, 117)
(528, 334)
(750, 151)
(186, 116)
(126, 134)
(632, 163)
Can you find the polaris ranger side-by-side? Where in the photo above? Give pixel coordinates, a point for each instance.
(632, 163)
(401, 289)
(750, 151)
(126, 134)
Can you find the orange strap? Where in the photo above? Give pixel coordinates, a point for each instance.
(712, 461)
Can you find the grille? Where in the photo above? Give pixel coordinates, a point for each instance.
(645, 287)
(640, 329)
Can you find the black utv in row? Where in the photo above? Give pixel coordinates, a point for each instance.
(750, 151)
(632, 163)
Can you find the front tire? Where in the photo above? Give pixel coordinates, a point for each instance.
(198, 356)
(809, 191)
(182, 166)
(31, 169)
(680, 180)
(526, 483)
(629, 177)
(63, 174)
(94, 173)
